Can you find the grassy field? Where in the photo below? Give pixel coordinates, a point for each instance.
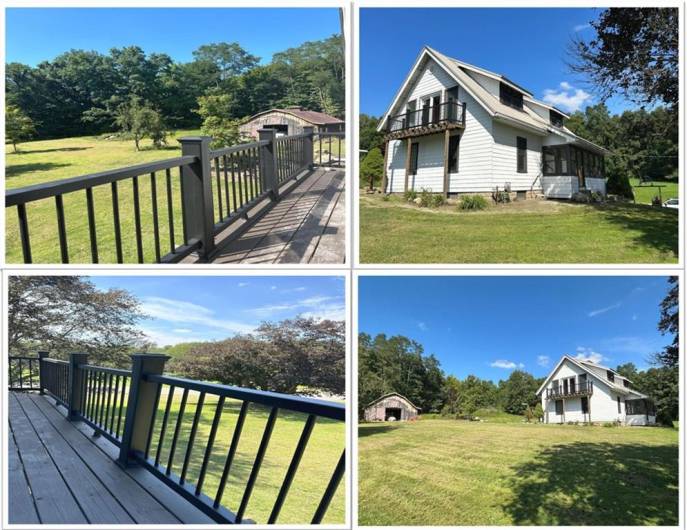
(448, 472)
(644, 193)
(534, 231)
(44, 161)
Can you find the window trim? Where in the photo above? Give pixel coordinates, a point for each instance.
(584, 404)
(456, 155)
(556, 402)
(414, 146)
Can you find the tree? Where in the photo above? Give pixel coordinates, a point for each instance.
(369, 137)
(229, 58)
(518, 392)
(663, 386)
(216, 112)
(372, 167)
(139, 120)
(18, 126)
(65, 314)
(670, 324)
(628, 370)
(635, 53)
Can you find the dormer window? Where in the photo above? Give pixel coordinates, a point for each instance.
(610, 375)
(626, 383)
(509, 96)
(556, 118)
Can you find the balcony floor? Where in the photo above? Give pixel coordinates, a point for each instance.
(60, 474)
(424, 130)
(306, 226)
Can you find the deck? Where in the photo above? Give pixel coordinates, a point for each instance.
(60, 474)
(306, 226)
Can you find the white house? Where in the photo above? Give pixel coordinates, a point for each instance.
(456, 128)
(582, 391)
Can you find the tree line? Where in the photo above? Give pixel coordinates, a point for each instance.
(87, 93)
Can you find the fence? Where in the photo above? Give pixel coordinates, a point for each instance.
(124, 406)
(176, 206)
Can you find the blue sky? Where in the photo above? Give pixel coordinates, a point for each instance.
(526, 45)
(193, 308)
(38, 34)
(488, 326)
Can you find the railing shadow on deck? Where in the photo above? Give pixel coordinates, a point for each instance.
(178, 206)
(123, 407)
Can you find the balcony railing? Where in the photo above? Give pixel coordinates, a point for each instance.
(451, 112)
(573, 390)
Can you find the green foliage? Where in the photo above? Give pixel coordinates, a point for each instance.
(372, 168)
(500, 197)
(472, 202)
(410, 195)
(670, 324)
(228, 59)
(18, 126)
(518, 392)
(618, 183)
(215, 110)
(538, 411)
(368, 136)
(139, 120)
(431, 200)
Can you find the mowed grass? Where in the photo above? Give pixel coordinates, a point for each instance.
(647, 191)
(449, 472)
(533, 231)
(324, 449)
(45, 161)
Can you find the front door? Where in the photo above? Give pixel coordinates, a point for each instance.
(425, 111)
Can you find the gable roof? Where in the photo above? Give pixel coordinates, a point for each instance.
(392, 394)
(595, 370)
(311, 116)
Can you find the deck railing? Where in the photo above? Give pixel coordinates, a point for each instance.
(448, 112)
(23, 373)
(573, 390)
(138, 411)
(164, 211)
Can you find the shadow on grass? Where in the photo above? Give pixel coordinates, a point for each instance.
(597, 484)
(371, 429)
(20, 169)
(657, 227)
(54, 150)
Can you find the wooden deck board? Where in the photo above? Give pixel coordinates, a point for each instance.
(18, 490)
(71, 478)
(290, 231)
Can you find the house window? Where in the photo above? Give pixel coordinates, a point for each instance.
(556, 118)
(509, 96)
(549, 162)
(453, 143)
(618, 399)
(585, 405)
(414, 147)
(610, 376)
(626, 383)
(559, 407)
(522, 154)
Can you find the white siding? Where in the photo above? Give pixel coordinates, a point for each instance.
(432, 80)
(396, 171)
(598, 185)
(505, 159)
(540, 111)
(560, 187)
(490, 84)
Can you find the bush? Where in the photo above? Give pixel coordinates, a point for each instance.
(473, 202)
(656, 201)
(429, 199)
(618, 183)
(410, 195)
(500, 197)
(372, 168)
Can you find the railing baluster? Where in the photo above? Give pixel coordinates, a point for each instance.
(117, 226)
(257, 464)
(114, 404)
(293, 467)
(211, 442)
(170, 210)
(89, 395)
(109, 401)
(235, 166)
(177, 428)
(258, 175)
(156, 222)
(24, 232)
(91, 225)
(121, 406)
(152, 421)
(331, 489)
(184, 224)
(230, 455)
(21, 375)
(192, 437)
(137, 221)
(163, 428)
(219, 190)
(101, 398)
(233, 180)
(330, 151)
(226, 184)
(61, 229)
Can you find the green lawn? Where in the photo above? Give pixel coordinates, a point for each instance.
(533, 231)
(448, 472)
(645, 192)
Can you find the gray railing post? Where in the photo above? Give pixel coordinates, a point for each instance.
(140, 404)
(41, 355)
(196, 183)
(309, 146)
(268, 162)
(75, 380)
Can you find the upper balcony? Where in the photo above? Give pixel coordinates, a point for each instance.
(579, 389)
(429, 120)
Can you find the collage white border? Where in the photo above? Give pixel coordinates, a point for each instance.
(353, 269)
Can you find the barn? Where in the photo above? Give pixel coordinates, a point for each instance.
(290, 121)
(391, 407)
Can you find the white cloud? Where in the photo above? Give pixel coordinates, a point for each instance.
(422, 326)
(324, 307)
(630, 345)
(168, 338)
(634, 317)
(543, 360)
(243, 284)
(588, 354)
(507, 365)
(171, 310)
(581, 27)
(603, 310)
(182, 330)
(567, 97)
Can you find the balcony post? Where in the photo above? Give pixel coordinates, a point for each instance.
(196, 181)
(447, 141)
(141, 405)
(41, 382)
(408, 145)
(386, 165)
(76, 375)
(463, 113)
(268, 162)
(308, 146)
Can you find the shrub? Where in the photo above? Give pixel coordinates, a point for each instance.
(538, 412)
(410, 195)
(618, 183)
(500, 196)
(429, 199)
(372, 168)
(473, 202)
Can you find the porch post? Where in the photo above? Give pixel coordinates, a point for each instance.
(447, 138)
(386, 162)
(268, 162)
(405, 186)
(41, 381)
(75, 384)
(308, 146)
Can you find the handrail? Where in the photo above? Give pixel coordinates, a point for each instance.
(578, 389)
(236, 148)
(449, 112)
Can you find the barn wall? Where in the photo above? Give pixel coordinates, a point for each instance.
(377, 412)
